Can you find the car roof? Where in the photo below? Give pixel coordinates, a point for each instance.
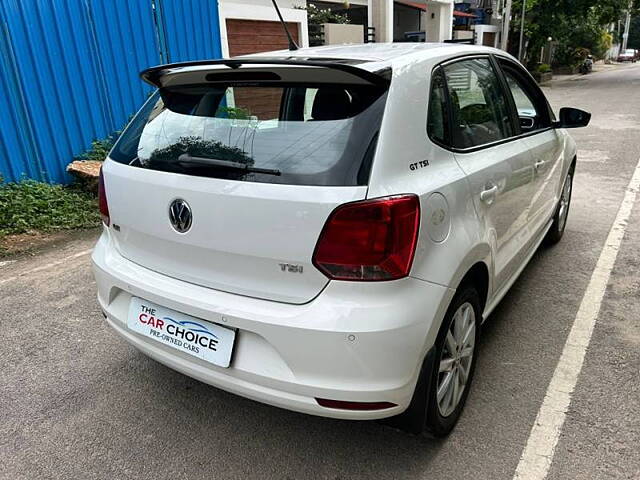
(372, 56)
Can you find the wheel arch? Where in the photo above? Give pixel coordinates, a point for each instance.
(476, 268)
(568, 167)
(478, 276)
(570, 153)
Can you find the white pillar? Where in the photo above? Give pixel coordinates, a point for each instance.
(627, 23)
(438, 23)
(432, 22)
(506, 20)
(447, 22)
(478, 33)
(382, 19)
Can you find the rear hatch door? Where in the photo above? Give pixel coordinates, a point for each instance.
(226, 177)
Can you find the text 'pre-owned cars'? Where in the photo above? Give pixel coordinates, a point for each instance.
(325, 229)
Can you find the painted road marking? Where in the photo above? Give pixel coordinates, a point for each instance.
(538, 453)
(45, 267)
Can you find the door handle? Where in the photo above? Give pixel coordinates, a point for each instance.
(489, 195)
(538, 165)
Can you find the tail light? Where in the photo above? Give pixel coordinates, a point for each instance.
(102, 200)
(369, 240)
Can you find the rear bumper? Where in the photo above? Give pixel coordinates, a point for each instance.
(361, 342)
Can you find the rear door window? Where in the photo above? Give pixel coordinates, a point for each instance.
(299, 134)
(479, 106)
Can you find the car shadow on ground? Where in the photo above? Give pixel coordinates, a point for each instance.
(201, 424)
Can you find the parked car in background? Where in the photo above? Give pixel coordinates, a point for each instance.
(628, 55)
(326, 229)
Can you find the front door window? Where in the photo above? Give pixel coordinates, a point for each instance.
(479, 106)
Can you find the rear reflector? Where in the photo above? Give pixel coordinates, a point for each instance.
(343, 405)
(102, 200)
(369, 240)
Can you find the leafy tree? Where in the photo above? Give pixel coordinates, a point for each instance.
(576, 26)
(316, 16)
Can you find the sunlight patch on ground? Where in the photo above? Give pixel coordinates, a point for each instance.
(617, 121)
(598, 156)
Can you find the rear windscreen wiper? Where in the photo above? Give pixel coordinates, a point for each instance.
(187, 159)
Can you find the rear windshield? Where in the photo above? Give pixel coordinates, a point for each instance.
(292, 134)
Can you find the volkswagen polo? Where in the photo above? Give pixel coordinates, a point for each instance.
(325, 229)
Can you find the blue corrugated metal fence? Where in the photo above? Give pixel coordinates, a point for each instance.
(69, 71)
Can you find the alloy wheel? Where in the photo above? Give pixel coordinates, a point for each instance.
(456, 359)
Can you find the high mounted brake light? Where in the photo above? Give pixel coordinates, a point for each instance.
(371, 240)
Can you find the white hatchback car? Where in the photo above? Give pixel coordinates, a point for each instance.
(324, 230)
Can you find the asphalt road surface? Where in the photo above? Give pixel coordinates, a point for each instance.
(76, 402)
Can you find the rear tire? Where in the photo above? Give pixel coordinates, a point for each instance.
(456, 352)
(562, 212)
(434, 409)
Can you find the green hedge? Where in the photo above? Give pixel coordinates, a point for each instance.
(35, 206)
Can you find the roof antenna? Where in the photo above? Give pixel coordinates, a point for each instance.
(292, 43)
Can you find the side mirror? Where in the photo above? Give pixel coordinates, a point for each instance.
(572, 118)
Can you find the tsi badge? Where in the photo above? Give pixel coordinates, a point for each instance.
(288, 267)
(180, 215)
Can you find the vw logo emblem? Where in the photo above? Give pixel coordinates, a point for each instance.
(180, 215)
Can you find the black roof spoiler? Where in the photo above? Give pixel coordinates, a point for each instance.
(380, 78)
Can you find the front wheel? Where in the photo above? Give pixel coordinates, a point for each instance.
(562, 211)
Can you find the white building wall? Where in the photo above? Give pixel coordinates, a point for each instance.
(380, 12)
(336, 34)
(439, 21)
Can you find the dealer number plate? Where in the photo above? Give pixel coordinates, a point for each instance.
(208, 341)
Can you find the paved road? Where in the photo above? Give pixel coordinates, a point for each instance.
(76, 402)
